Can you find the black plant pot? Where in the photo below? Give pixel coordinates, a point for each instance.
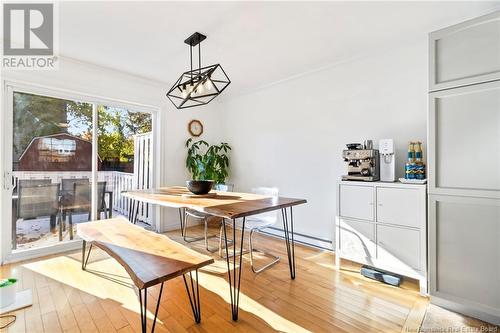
(200, 186)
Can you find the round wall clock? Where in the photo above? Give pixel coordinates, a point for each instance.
(195, 127)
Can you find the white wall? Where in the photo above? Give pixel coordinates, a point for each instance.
(103, 82)
(291, 134)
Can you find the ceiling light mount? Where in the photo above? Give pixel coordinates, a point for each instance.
(198, 86)
(195, 39)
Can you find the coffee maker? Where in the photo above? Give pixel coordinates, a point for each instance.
(362, 162)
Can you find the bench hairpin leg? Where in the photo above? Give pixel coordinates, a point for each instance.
(157, 307)
(144, 308)
(194, 296)
(143, 300)
(234, 279)
(85, 259)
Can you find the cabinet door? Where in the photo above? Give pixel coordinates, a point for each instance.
(398, 248)
(356, 201)
(464, 141)
(464, 250)
(357, 240)
(402, 206)
(465, 53)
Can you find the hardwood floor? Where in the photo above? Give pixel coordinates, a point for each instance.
(321, 299)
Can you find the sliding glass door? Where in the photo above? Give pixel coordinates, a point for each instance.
(70, 161)
(51, 168)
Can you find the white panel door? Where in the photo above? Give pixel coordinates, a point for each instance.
(357, 202)
(398, 248)
(465, 251)
(464, 141)
(402, 206)
(465, 53)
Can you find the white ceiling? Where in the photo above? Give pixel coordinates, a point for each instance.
(257, 43)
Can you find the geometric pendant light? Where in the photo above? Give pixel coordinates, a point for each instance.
(198, 86)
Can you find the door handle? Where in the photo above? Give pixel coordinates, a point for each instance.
(8, 180)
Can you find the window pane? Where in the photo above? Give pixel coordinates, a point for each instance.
(52, 167)
(125, 148)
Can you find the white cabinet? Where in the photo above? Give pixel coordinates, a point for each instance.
(383, 225)
(356, 202)
(463, 168)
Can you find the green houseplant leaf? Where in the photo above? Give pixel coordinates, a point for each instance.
(207, 162)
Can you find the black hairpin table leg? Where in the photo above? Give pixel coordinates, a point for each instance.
(234, 278)
(143, 300)
(289, 240)
(182, 217)
(85, 259)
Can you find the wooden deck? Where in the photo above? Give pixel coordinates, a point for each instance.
(319, 300)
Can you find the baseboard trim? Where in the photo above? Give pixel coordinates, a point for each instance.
(467, 310)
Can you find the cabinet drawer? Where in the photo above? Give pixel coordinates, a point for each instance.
(403, 206)
(356, 202)
(357, 240)
(398, 248)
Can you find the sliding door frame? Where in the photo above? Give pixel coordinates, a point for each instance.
(6, 119)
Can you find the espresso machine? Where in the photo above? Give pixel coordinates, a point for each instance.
(362, 162)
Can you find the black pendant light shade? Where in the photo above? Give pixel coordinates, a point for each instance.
(198, 86)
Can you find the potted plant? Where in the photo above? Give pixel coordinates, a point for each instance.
(208, 165)
(7, 292)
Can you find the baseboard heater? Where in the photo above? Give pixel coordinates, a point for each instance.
(320, 243)
(381, 275)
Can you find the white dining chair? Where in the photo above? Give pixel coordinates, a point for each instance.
(254, 224)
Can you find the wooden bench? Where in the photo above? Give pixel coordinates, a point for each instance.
(149, 258)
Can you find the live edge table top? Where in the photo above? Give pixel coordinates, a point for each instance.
(148, 257)
(230, 205)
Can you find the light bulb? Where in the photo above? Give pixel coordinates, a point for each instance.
(209, 84)
(184, 93)
(201, 88)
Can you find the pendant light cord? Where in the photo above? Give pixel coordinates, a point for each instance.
(199, 57)
(191, 60)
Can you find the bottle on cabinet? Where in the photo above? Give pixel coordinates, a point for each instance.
(415, 167)
(410, 164)
(419, 164)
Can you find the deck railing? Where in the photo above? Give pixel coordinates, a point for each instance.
(116, 181)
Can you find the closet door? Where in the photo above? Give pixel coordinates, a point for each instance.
(464, 141)
(464, 250)
(465, 53)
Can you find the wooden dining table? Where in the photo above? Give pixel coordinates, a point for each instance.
(229, 206)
